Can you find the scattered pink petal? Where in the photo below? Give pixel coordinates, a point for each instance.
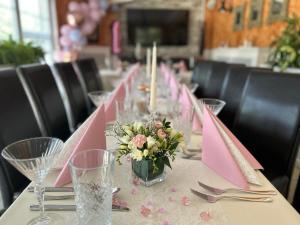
(206, 216)
(149, 203)
(134, 191)
(136, 181)
(145, 211)
(166, 223)
(117, 201)
(128, 158)
(173, 189)
(171, 199)
(161, 210)
(185, 201)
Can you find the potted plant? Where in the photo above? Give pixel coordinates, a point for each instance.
(13, 53)
(150, 145)
(286, 52)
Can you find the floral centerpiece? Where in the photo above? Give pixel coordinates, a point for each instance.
(151, 145)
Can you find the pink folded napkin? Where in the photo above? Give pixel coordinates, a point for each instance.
(222, 152)
(92, 138)
(118, 95)
(185, 99)
(174, 85)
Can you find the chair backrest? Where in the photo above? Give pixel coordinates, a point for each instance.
(39, 81)
(267, 121)
(232, 89)
(17, 122)
(214, 83)
(75, 94)
(201, 74)
(88, 71)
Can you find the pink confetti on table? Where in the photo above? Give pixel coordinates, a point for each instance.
(136, 181)
(173, 189)
(134, 191)
(145, 211)
(166, 223)
(161, 210)
(185, 201)
(171, 199)
(206, 216)
(149, 203)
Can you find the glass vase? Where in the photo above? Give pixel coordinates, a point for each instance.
(144, 170)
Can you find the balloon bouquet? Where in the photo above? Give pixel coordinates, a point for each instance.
(82, 20)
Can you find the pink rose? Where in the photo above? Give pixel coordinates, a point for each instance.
(158, 124)
(139, 140)
(161, 134)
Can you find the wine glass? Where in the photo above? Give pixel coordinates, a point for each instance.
(33, 158)
(215, 105)
(99, 97)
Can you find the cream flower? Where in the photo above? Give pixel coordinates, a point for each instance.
(161, 134)
(151, 141)
(145, 153)
(137, 154)
(127, 129)
(125, 139)
(137, 125)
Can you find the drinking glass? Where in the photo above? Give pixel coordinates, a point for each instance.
(183, 122)
(34, 158)
(92, 172)
(125, 112)
(215, 105)
(99, 97)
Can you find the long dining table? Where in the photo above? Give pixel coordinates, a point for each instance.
(171, 202)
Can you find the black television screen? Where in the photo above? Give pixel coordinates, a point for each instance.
(165, 27)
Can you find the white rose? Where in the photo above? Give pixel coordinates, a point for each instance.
(137, 125)
(127, 130)
(125, 139)
(137, 155)
(150, 141)
(173, 132)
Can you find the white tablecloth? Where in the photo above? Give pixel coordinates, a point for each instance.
(165, 200)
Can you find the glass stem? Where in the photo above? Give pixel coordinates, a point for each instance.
(39, 190)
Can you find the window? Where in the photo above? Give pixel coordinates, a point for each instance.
(35, 22)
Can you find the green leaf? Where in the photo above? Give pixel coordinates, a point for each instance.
(167, 162)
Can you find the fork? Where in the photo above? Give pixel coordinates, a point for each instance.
(213, 199)
(219, 191)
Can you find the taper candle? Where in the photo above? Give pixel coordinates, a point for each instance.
(153, 80)
(148, 66)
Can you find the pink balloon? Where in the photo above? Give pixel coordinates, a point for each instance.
(65, 41)
(74, 6)
(94, 4)
(88, 27)
(95, 15)
(65, 29)
(84, 7)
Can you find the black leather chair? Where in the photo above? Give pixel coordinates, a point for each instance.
(17, 121)
(267, 123)
(76, 98)
(39, 81)
(215, 80)
(88, 71)
(200, 75)
(232, 89)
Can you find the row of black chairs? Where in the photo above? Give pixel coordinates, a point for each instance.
(39, 100)
(262, 109)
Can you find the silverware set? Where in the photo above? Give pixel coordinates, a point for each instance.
(69, 190)
(217, 191)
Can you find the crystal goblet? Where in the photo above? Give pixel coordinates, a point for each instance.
(215, 105)
(33, 158)
(99, 97)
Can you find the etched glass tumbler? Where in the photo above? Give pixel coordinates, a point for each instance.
(92, 180)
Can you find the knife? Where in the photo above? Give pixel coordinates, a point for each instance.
(53, 189)
(72, 208)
